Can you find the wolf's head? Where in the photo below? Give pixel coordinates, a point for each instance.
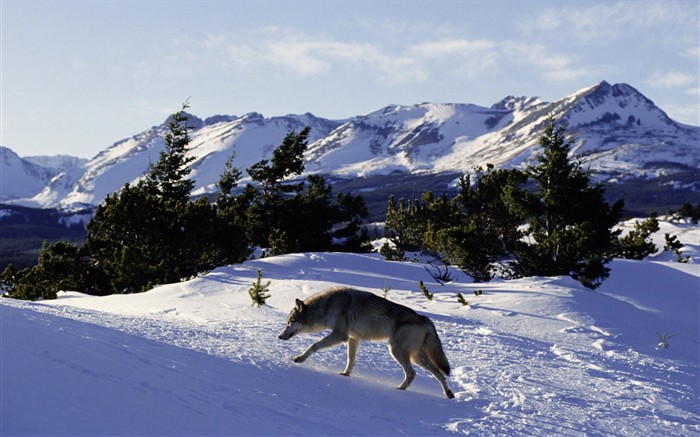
(295, 321)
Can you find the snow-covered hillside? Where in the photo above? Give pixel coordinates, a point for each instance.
(535, 356)
(622, 134)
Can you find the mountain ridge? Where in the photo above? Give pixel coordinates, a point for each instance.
(621, 134)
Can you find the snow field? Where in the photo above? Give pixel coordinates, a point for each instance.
(529, 356)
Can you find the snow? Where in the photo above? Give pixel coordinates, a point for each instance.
(530, 356)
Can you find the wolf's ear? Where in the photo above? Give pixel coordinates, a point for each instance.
(300, 305)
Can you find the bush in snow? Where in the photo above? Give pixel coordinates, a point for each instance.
(259, 292)
(673, 245)
(425, 291)
(637, 243)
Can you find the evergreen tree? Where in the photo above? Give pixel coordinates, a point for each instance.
(136, 240)
(229, 234)
(167, 178)
(637, 243)
(9, 278)
(406, 224)
(348, 233)
(60, 267)
(423, 289)
(152, 233)
(568, 219)
(259, 292)
(300, 216)
(488, 229)
(268, 207)
(473, 230)
(673, 245)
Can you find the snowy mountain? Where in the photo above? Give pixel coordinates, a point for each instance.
(534, 356)
(251, 136)
(621, 133)
(26, 177)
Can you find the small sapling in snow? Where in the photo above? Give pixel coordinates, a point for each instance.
(259, 292)
(462, 300)
(386, 289)
(425, 291)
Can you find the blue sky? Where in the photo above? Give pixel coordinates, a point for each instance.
(78, 76)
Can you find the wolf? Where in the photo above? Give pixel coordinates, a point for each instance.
(354, 315)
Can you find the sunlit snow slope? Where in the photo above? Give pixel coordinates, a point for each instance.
(529, 356)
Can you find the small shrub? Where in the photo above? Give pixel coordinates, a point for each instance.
(392, 253)
(478, 292)
(259, 291)
(386, 289)
(462, 300)
(637, 243)
(425, 291)
(673, 245)
(664, 339)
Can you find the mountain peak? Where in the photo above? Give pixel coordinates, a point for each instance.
(512, 103)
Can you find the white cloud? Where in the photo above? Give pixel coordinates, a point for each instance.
(451, 47)
(415, 60)
(549, 64)
(319, 57)
(692, 52)
(672, 79)
(685, 113)
(589, 21)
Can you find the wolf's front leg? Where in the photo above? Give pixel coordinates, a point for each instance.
(353, 348)
(332, 339)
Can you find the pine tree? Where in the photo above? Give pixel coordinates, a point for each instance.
(60, 267)
(488, 229)
(673, 245)
(568, 218)
(229, 231)
(168, 176)
(152, 233)
(637, 243)
(259, 292)
(269, 206)
(299, 216)
(425, 291)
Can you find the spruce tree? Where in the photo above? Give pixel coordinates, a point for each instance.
(488, 229)
(152, 233)
(637, 243)
(299, 216)
(259, 292)
(568, 219)
(167, 178)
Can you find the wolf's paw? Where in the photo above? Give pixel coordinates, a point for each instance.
(449, 394)
(299, 359)
(344, 373)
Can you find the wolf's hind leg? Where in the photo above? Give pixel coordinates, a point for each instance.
(425, 362)
(403, 358)
(353, 348)
(332, 339)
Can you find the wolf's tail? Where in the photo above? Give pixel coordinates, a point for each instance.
(433, 348)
